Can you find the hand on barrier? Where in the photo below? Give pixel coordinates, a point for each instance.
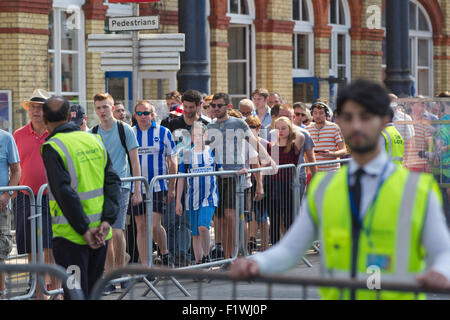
(242, 171)
(433, 279)
(244, 268)
(136, 199)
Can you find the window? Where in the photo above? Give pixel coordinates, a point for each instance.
(339, 19)
(238, 7)
(66, 54)
(421, 49)
(241, 51)
(302, 39)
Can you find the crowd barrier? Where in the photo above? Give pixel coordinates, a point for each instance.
(307, 286)
(69, 284)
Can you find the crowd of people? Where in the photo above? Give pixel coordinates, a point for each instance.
(204, 134)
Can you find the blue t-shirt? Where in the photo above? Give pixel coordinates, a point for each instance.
(117, 153)
(8, 155)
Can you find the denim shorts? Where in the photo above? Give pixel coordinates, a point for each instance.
(123, 207)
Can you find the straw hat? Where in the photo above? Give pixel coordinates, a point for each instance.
(38, 96)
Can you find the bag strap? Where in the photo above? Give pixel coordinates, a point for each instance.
(124, 143)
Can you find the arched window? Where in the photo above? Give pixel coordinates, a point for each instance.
(421, 49)
(241, 51)
(303, 38)
(339, 19)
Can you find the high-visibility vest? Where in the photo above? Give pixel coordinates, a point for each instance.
(394, 143)
(390, 238)
(84, 158)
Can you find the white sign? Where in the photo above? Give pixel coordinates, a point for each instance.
(134, 23)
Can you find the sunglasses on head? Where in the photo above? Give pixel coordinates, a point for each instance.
(145, 113)
(220, 105)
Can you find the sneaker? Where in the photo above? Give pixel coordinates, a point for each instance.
(157, 260)
(110, 288)
(206, 259)
(251, 246)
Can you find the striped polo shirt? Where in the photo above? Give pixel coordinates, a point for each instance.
(155, 144)
(200, 191)
(326, 138)
(419, 143)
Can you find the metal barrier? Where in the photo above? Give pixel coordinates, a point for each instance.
(31, 284)
(297, 185)
(220, 289)
(70, 284)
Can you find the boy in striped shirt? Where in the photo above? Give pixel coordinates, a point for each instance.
(327, 137)
(202, 196)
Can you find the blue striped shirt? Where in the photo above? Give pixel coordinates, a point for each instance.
(155, 144)
(200, 191)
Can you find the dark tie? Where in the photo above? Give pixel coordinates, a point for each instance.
(356, 225)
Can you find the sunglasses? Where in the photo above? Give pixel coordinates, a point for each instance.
(145, 113)
(299, 114)
(254, 127)
(220, 105)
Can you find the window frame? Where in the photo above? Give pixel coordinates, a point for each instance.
(59, 7)
(304, 28)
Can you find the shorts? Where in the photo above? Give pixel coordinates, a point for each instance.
(123, 207)
(261, 207)
(227, 195)
(159, 204)
(200, 217)
(5, 233)
(21, 209)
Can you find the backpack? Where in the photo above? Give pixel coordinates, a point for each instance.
(122, 140)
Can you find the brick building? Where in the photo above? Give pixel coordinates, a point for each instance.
(288, 46)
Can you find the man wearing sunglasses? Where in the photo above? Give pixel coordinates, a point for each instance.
(158, 156)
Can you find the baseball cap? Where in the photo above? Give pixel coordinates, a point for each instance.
(77, 112)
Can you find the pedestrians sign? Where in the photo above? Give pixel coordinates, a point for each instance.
(133, 23)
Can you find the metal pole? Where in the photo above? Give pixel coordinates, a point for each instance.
(135, 38)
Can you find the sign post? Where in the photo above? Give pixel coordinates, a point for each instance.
(135, 38)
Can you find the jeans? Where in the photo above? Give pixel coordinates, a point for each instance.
(178, 231)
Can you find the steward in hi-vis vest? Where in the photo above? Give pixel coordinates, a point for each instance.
(394, 143)
(376, 221)
(83, 193)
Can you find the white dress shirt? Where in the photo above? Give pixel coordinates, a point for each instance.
(291, 248)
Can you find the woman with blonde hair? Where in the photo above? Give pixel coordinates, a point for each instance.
(284, 150)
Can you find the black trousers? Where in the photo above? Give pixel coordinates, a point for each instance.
(90, 262)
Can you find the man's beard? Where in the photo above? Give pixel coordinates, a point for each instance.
(369, 147)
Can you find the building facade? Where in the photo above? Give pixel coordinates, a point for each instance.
(302, 49)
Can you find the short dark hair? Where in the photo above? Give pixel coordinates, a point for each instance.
(371, 95)
(60, 114)
(192, 96)
(222, 95)
(275, 110)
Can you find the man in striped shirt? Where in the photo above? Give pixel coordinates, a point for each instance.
(157, 156)
(327, 137)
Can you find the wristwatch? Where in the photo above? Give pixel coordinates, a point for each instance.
(10, 193)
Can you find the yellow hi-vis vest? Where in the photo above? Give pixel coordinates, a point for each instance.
(85, 158)
(394, 143)
(390, 238)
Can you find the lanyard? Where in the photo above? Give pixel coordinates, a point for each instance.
(355, 210)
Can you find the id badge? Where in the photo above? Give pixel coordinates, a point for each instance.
(379, 260)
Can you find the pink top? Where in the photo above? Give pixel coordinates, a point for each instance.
(29, 144)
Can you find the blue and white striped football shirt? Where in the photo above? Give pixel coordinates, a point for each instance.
(201, 191)
(155, 144)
